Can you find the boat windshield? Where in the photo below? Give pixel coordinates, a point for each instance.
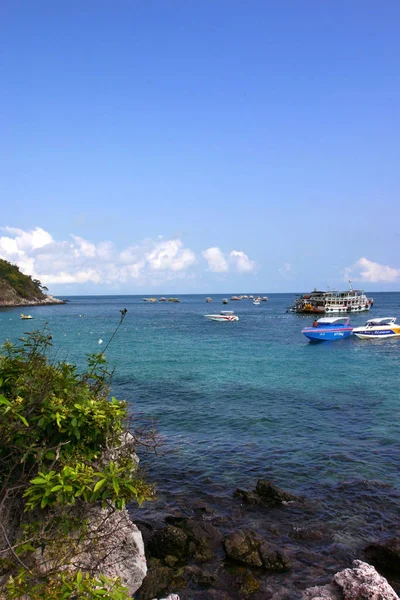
(383, 321)
(332, 320)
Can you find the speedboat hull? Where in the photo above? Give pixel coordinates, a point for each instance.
(367, 334)
(223, 316)
(316, 334)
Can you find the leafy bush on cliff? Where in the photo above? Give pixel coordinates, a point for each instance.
(24, 285)
(60, 450)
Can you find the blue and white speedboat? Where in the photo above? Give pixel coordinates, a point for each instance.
(328, 329)
(385, 327)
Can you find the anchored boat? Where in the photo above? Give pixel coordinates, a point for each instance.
(331, 302)
(328, 329)
(224, 315)
(384, 327)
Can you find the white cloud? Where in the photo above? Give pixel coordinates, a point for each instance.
(216, 260)
(372, 272)
(168, 255)
(242, 262)
(78, 260)
(284, 270)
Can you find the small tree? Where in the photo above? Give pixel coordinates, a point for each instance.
(61, 450)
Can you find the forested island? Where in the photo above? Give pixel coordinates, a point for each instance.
(17, 289)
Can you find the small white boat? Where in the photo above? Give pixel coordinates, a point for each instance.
(208, 299)
(224, 315)
(264, 299)
(225, 301)
(25, 316)
(384, 327)
(257, 302)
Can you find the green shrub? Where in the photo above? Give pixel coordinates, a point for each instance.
(58, 435)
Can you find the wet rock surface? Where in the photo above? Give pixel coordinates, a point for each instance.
(385, 555)
(266, 494)
(194, 562)
(249, 548)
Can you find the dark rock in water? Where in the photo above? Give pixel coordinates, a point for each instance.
(157, 581)
(385, 555)
(170, 541)
(184, 538)
(361, 582)
(250, 498)
(306, 534)
(272, 495)
(201, 507)
(203, 538)
(267, 494)
(247, 583)
(247, 547)
(198, 576)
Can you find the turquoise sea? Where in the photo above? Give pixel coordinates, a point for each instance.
(236, 402)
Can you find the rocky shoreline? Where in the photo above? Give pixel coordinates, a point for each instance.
(48, 300)
(201, 556)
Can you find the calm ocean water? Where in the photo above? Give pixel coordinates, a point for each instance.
(240, 401)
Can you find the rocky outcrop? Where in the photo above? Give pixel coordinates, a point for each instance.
(247, 547)
(118, 553)
(385, 555)
(267, 494)
(184, 538)
(18, 301)
(361, 582)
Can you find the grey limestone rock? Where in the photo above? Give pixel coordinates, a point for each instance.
(361, 582)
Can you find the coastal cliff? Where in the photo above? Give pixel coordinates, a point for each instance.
(17, 289)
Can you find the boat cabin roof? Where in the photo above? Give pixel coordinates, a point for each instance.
(226, 312)
(327, 320)
(382, 321)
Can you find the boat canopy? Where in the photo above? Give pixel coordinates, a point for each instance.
(326, 320)
(226, 312)
(382, 321)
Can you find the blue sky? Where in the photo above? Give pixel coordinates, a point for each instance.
(214, 145)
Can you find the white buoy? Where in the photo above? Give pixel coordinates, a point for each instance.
(100, 341)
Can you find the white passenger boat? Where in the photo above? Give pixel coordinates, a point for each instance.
(331, 302)
(224, 315)
(384, 327)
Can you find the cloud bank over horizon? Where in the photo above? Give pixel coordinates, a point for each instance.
(79, 261)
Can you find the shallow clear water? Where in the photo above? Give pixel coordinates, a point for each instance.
(252, 399)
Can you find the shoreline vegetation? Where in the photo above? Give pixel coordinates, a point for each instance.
(68, 467)
(17, 289)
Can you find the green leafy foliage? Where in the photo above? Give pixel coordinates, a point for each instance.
(60, 449)
(67, 586)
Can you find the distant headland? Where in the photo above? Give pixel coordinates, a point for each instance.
(17, 289)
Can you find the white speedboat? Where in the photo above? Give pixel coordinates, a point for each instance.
(25, 316)
(384, 327)
(224, 315)
(257, 302)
